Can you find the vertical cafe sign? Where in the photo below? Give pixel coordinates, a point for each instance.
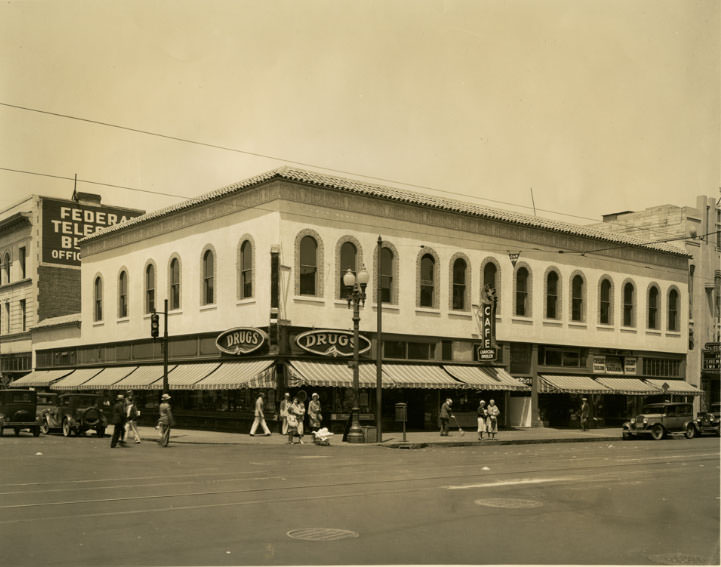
(65, 223)
(483, 315)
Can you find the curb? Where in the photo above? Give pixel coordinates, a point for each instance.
(402, 445)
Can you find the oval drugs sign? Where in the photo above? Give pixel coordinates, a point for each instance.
(242, 340)
(327, 342)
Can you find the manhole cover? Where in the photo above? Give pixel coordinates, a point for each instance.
(678, 559)
(508, 503)
(321, 534)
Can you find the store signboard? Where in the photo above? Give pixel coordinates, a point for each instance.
(65, 223)
(241, 340)
(614, 365)
(483, 315)
(629, 365)
(599, 364)
(327, 342)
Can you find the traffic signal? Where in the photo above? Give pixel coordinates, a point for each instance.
(154, 325)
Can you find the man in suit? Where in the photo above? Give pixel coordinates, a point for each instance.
(117, 418)
(446, 415)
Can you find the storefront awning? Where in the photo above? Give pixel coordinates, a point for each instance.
(679, 387)
(485, 377)
(425, 377)
(106, 378)
(628, 386)
(552, 384)
(39, 378)
(76, 378)
(234, 375)
(143, 378)
(186, 376)
(332, 374)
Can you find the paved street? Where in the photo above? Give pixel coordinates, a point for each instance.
(74, 501)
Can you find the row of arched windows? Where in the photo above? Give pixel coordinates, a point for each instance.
(309, 282)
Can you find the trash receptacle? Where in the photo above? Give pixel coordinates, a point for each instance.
(370, 432)
(401, 411)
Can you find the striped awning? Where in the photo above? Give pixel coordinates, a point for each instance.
(333, 374)
(234, 375)
(552, 384)
(106, 378)
(144, 378)
(39, 378)
(186, 376)
(75, 379)
(425, 377)
(628, 386)
(485, 377)
(674, 387)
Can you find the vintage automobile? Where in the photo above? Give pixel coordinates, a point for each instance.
(46, 400)
(75, 414)
(708, 421)
(660, 419)
(17, 411)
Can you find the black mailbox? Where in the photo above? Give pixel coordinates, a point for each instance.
(401, 411)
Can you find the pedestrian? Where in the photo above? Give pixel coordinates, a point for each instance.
(482, 416)
(259, 416)
(584, 414)
(131, 415)
(166, 420)
(296, 410)
(492, 421)
(446, 416)
(284, 403)
(117, 418)
(314, 415)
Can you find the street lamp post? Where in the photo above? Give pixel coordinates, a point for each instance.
(356, 298)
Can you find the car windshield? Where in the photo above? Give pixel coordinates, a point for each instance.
(17, 397)
(653, 409)
(715, 408)
(85, 400)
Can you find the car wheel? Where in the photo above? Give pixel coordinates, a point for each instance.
(100, 431)
(657, 431)
(66, 428)
(17, 432)
(45, 427)
(36, 431)
(690, 431)
(626, 435)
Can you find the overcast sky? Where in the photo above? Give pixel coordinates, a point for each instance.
(597, 106)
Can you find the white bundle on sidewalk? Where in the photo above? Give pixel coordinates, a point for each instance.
(322, 436)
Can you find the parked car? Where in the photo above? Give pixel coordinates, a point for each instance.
(17, 411)
(659, 420)
(708, 421)
(75, 414)
(45, 401)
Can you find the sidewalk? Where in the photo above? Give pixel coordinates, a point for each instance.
(394, 439)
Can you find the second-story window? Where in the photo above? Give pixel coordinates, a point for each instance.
(522, 302)
(98, 299)
(149, 288)
(628, 305)
(552, 295)
(653, 308)
(577, 298)
(428, 266)
(459, 284)
(22, 260)
(6, 265)
(208, 278)
(23, 316)
(348, 254)
(386, 275)
(174, 279)
(246, 270)
(123, 294)
(308, 266)
(604, 303)
(490, 277)
(673, 310)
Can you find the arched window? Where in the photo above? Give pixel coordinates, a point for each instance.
(348, 253)
(386, 275)
(605, 303)
(174, 281)
(308, 266)
(523, 308)
(577, 307)
(208, 278)
(628, 305)
(653, 308)
(673, 310)
(428, 290)
(7, 267)
(459, 284)
(491, 278)
(98, 299)
(123, 295)
(149, 288)
(246, 270)
(552, 295)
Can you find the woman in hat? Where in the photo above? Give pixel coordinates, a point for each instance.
(314, 415)
(165, 421)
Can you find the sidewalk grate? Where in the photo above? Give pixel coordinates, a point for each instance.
(511, 503)
(321, 534)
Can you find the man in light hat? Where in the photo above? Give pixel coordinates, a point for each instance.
(284, 403)
(117, 418)
(165, 421)
(259, 416)
(584, 414)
